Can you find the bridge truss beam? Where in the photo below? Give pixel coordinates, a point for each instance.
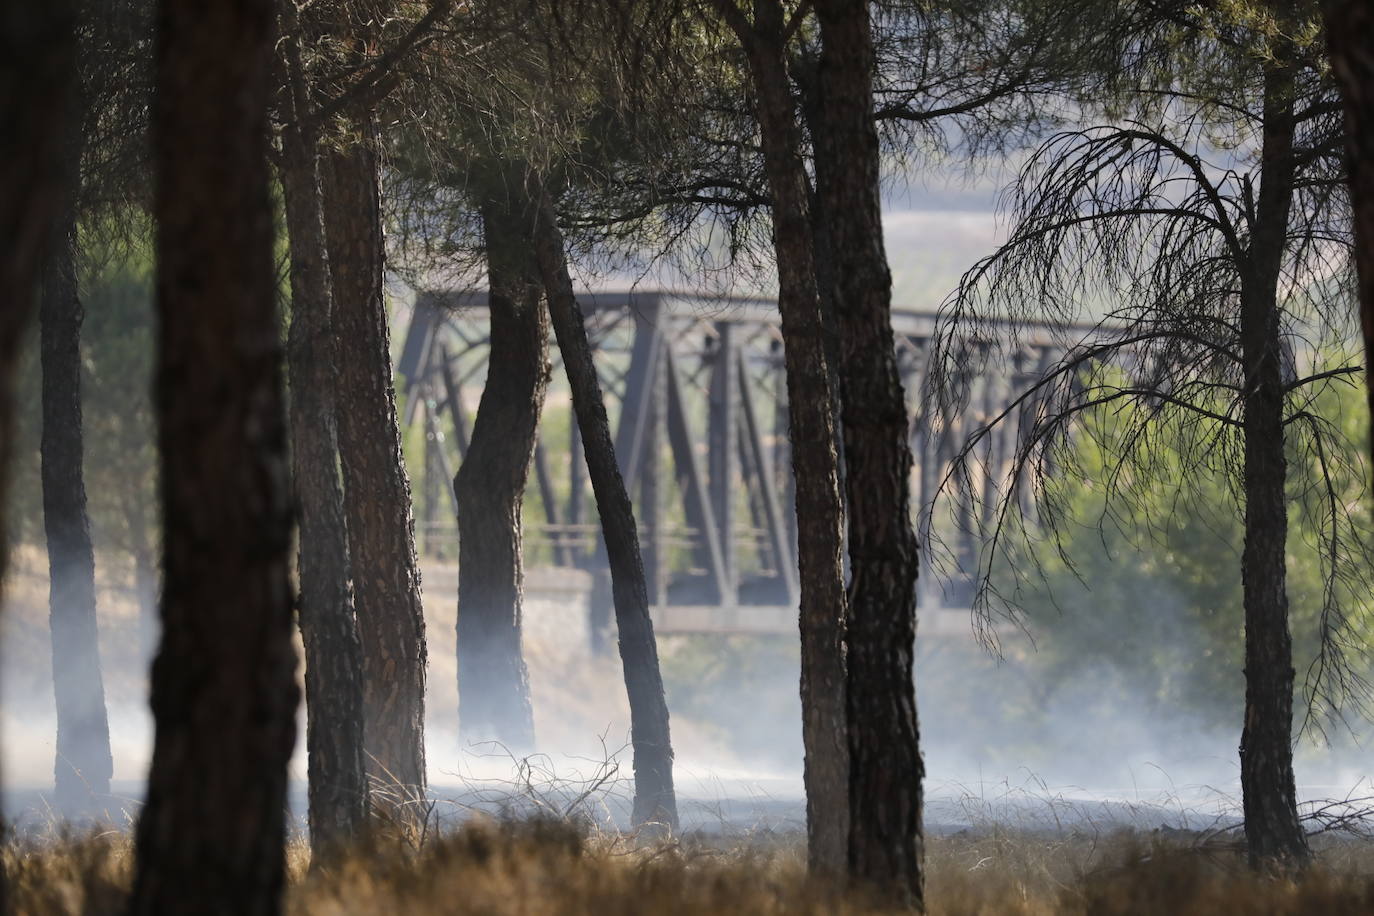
(696, 386)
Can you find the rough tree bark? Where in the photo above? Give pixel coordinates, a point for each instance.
(655, 799)
(1350, 37)
(811, 401)
(336, 766)
(83, 764)
(493, 685)
(211, 837)
(381, 533)
(805, 73)
(37, 70)
(1273, 833)
(37, 76)
(885, 837)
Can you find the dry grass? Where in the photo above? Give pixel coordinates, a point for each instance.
(62, 873)
(542, 867)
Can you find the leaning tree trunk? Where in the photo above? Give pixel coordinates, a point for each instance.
(655, 799)
(1273, 833)
(83, 765)
(336, 767)
(37, 69)
(211, 836)
(811, 400)
(381, 533)
(885, 836)
(1350, 36)
(493, 686)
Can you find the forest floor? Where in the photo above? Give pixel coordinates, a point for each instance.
(543, 866)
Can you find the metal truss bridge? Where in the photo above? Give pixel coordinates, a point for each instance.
(695, 390)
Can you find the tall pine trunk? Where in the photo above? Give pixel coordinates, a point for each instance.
(1273, 833)
(37, 75)
(493, 685)
(381, 533)
(336, 767)
(885, 836)
(1350, 37)
(83, 764)
(37, 70)
(211, 836)
(811, 400)
(655, 799)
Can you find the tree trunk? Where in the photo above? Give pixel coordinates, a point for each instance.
(1273, 833)
(655, 799)
(336, 766)
(805, 69)
(381, 534)
(1350, 36)
(811, 415)
(211, 837)
(83, 765)
(493, 686)
(37, 74)
(37, 69)
(885, 839)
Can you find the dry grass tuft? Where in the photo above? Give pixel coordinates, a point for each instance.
(545, 866)
(1168, 879)
(548, 866)
(68, 873)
